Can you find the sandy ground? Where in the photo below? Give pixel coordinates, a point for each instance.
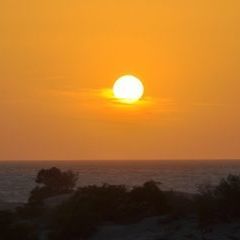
(153, 229)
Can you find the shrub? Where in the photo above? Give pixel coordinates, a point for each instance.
(12, 228)
(31, 211)
(92, 205)
(82, 213)
(146, 200)
(179, 204)
(219, 203)
(22, 230)
(206, 204)
(228, 196)
(52, 182)
(6, 220)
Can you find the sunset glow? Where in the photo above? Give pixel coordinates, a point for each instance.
(119, 79)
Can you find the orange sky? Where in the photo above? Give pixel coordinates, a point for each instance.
(57, 57)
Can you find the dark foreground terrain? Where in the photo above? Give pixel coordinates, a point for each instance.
(58, 211)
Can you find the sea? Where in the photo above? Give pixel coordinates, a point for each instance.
(17, 178)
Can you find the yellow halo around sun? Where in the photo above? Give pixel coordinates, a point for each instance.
(128, 89)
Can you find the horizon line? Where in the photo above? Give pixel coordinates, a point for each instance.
(85, 160)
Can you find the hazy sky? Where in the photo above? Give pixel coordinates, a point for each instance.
(57, 56)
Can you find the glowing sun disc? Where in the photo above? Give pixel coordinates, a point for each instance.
(128, 89)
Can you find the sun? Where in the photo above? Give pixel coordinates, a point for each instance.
(128, 89)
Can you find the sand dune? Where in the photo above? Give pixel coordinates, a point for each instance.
(153, 229)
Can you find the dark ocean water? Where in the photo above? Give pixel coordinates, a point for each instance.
(17, 177)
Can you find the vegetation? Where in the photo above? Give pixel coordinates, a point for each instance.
(219, 203)
(93, 205)
(13, 228)
(52, 182)
(90, 206)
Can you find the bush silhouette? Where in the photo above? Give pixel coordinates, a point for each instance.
(92, 205)
(220, 202)
(228, 196)
(22, 230)
(206, 204)
(179, 204)
(146, 200)
(13, 228)
(86, 209)
(52, 182)
(6, 220)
